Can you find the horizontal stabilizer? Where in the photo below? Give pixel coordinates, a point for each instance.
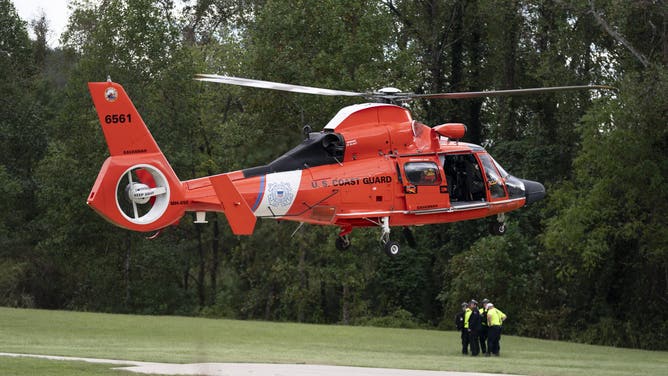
(239, 214)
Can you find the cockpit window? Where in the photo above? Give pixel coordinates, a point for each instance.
(503, 172)
(422, 173)
(514, 185)
(494, 179)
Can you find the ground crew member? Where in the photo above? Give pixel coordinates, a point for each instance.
(459, 323)
(483, 326)
(474, 328)
(465, 335)
(495, 320)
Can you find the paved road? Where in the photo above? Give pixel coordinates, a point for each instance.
(248, 369)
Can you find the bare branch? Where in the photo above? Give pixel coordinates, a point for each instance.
(617, 36)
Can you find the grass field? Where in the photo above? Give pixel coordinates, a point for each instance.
(191, 340)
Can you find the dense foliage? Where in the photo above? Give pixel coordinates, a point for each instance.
(590, 263)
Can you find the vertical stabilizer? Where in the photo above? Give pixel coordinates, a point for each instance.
(122, 125)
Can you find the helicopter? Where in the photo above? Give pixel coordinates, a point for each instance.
(372, 165)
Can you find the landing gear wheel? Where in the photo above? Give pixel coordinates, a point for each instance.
(496, 228)
(342, 242)
(391, 248)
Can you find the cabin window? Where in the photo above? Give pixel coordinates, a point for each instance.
(422, 173)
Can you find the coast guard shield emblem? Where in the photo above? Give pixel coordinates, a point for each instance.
(280, 194)
(110, 94)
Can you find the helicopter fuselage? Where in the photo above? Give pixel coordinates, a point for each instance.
(387, 165)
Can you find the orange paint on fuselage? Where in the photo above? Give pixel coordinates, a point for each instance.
(392, 167)
(368, 185)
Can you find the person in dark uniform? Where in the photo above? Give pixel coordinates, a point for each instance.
(460, 324)
(474, 328)
(483, 326)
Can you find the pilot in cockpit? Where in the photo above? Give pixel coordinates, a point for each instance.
(429, 176)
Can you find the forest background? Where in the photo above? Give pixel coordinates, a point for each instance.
(589, 263)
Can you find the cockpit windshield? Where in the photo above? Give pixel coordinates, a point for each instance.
(502, 171)
(514, 185)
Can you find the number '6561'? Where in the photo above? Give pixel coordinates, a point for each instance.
(118, 118)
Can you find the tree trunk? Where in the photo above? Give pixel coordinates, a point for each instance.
(303, 279)
(474, 125)
(345, 308)
(215, 262)
(201, 293)
(269, 304)
(509, 45)
(128, 254)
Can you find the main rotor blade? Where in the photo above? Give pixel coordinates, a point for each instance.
(273, 85)
(499, 93)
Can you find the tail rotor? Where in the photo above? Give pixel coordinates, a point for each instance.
(142, 194)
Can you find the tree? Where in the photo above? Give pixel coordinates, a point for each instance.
(604, 234)
(110, 39)
(22, 144)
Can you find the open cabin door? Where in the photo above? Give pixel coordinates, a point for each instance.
(472, 178)
(464, 178)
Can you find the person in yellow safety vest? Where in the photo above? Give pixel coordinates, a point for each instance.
(474, 327)
(495, 320)
(459, 323)
(465, 332)
(483, 326)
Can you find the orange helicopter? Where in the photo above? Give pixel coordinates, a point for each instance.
(371, 165)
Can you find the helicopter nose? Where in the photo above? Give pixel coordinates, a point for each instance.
(534, 191)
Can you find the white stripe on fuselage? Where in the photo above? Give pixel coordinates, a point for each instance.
(279, 194)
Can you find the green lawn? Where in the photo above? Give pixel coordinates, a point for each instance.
(189, 340)
(42, 367)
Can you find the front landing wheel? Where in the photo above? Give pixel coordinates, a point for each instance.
(497, 228)
(391, 248)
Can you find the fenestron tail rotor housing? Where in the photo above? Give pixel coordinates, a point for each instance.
(142, 194)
